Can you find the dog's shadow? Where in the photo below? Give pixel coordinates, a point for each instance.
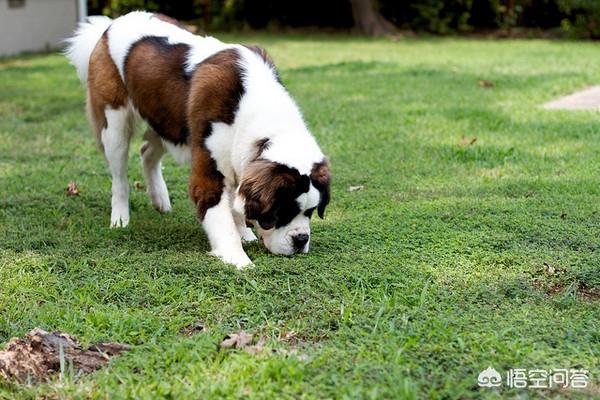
(178, 231)
(77, 227)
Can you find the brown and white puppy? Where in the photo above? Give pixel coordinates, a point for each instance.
(219, 107)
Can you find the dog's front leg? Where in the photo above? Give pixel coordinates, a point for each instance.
(224, 237)
(211, 197)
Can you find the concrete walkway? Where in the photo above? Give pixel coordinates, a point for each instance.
(588, 99)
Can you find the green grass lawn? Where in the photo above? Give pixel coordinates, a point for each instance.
(453, 257)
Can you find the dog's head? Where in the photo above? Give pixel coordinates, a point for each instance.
(279, 202)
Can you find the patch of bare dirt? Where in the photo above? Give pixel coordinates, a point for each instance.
(580, 289)
(40, 354)
(554, 280)
(589, 294)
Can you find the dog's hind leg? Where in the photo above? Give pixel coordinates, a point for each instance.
(115, 139)
(152, 151)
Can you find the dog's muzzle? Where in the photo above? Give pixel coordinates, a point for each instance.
(300, 241)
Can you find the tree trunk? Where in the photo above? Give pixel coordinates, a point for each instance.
(368, 21)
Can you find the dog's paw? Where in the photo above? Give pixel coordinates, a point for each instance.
(161, 202)
(247, 234)
(119, 222)
(119, 218)
(240, 260)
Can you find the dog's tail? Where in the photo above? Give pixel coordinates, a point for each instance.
(82, 43)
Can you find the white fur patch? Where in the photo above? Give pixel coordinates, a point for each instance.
(115, 139)
(82, 43)
(280, 240)
(152, 152)
(313, 197)
(181, 153)
(309, 199)
(223, 235)
(267, 111)
(204, 49)
(219, 144)
(237, 209)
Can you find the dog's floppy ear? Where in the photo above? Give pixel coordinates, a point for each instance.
(263, 183)
(321, 179)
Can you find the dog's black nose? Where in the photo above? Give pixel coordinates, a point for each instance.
(300, 241)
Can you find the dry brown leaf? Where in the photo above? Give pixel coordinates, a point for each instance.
(289, 337)
(194, 328)
(237, 340)
(550, 270)
(72, 189)
(137, 185)
(485, 84)
(258, 347)
(355, 188)
(468, 141)
(37, 356)
(243, 340)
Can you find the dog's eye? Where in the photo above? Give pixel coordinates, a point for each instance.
(267, 223)
(309, 212)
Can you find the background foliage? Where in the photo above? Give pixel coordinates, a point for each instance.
(576, 18)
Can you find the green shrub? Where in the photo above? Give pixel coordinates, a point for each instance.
(582, 17)
(441, 17)
(578, 18)
(120, 7)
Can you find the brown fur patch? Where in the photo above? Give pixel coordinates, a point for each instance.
(321, 179)
(105, 87)
(261, 145)
(262, 182)
(206, 182)
(216, 89)
(158, 86)
(270, 190)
